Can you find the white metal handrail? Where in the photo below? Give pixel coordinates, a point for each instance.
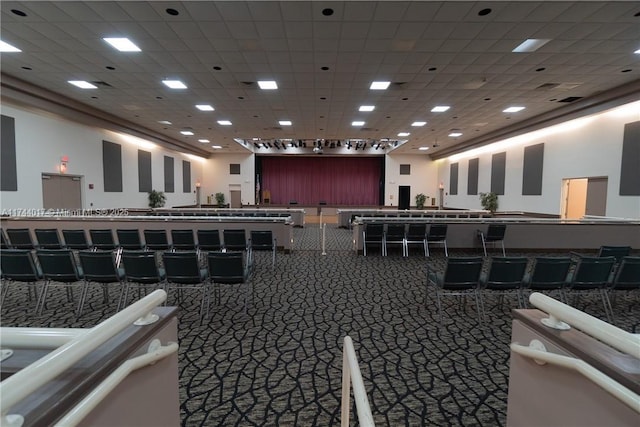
(605, 332)
(351, 376)
(41, 338)
(28, 380)
(97, 395)
(616, 389)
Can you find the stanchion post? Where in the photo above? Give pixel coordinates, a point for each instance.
(324, 229)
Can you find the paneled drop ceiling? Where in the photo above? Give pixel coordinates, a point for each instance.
(324, 57)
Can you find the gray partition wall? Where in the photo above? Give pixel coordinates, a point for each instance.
(472, 177)
(532, 170)
(112, 166)
(630, 166)
(169, 186)
(144, 171)
(8, 171)
(498, 165)
(453, 179)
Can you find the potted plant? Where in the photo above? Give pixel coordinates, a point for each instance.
(489, 201)
(420, 200)
(156, 199)
(220, 199)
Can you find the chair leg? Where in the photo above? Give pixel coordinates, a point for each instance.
(484, 244)
(446, 251)
(83, 295)
(41, 298)
(503, 252)
(426, 247)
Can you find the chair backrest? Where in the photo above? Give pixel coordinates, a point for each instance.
(58, 265)
(75, 239)
(550, 272)
(183, 240)
(495, 232)
(102, 239)
(235, 239)
(437, 232)
(209, 240)
(262, 240)
(592, 271)
(506, 271)
(395, 232)
(156, 240)
(227, 267)
(141, 267)
(618, 252)
(129, 239)
(99, 266)
(462, 272)
(416, 232)
(20, 238)
(182, 267)
(48, 238)
(373, 232)
(628, 274)
(5, 240)
(18, 265)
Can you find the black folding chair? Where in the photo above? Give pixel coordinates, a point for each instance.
(76, 240)
(183, 272)
(141, 270)
(59, 269)
(20, 238)
(549, 274)
(593, 274)
(129, 239)
(373, 234)
(209, 240)
(417, 234)
(437, 234)
(229, 268)
(494, 234)
(17, 266)
(156, 240)
(48, 238)
(100, 267)
(182, 240)
(395, 235)
(505, 275)
(263, 240)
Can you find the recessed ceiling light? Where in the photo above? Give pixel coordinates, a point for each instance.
(186, 132)
(379, 85)
(423, 148)
(216, 147)
(513, 109)
(224, 122)
(404, 134)
(455, 134)
(440, 108)
(530, 45)
(418, 123)
(204, 141)
(83, 84)
(174, 84)
(267, 84)
(357, 123)
(164, 122)
(285, 122)
(637, 52)
(123, 44)
(367, 108)
(204, 107)
(6, 47)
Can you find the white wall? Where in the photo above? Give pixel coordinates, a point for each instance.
(587, 147)
(216, 177)
(41, 140)
(423, 178)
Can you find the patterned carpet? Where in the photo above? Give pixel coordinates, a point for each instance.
(281, 364)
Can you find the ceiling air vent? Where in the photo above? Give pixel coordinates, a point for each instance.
(101, 83)
(248, 83)
(570, 99)
(547, 86)
(366, 129)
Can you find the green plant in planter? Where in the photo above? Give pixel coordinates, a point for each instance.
(489, 201)
(156, 199)
(420, 200)
(220, 199)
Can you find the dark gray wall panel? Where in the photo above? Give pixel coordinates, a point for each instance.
(453, 179)
(630, 165)
(144, 171)
(234, 169)
(472, 177)
(498, 165)
(112, 167)
(532, 170)
(168, 175)
(186, 176)
(405, 169)
(8, 167)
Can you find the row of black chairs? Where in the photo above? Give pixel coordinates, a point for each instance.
(566, 275)
(44, 268)
(404, 235)
(129, 239)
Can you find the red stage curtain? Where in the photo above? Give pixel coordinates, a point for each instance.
(335, 180)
